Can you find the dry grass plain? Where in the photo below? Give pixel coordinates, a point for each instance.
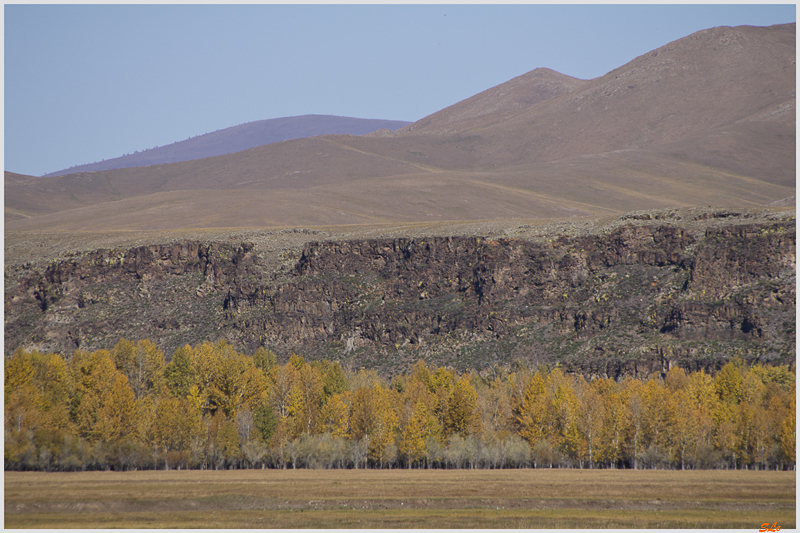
(400, 499)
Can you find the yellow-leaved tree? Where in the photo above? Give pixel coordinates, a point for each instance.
(462, 415)
(142, 363)
(117, 416)
(414, 438)
(535, 413)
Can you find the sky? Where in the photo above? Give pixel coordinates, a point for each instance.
(83, 83)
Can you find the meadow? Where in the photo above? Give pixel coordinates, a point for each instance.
(520, 498)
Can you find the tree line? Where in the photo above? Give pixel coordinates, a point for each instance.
(213, 407)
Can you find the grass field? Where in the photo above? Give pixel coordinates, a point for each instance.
(400, 499)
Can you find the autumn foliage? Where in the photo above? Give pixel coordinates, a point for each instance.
(212, 407)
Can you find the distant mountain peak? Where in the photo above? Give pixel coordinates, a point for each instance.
(240, 138)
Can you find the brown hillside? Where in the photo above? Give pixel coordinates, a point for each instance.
(497, 103)
(684, 90)
(705, 120)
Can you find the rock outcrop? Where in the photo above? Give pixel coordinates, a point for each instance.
(631, 299)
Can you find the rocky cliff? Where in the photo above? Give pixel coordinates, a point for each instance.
(635, 296)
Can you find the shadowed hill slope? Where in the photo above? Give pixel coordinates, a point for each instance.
(706, 120)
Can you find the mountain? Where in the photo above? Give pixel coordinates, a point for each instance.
(239, 138)
(497, 103)
(707, 120)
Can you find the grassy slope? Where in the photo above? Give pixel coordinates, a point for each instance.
(593, 185)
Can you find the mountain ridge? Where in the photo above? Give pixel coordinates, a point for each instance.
(239, 138)
(704, 120)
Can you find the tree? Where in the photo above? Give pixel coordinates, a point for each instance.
(179, 374)
(687, 422)
(788, 434)
(728, 382)
(265, 422)
(94, 374)
(55, 388)
(725, 421)
(177, 428)
(704, 399)
(676, 379)
(420, 429)
(462, 409)
(142, 363)
(534, 413)
(222, 445)
(116, 419)
(494, 405)
(334, 380)
(333, 415)
(565, 408)
(421, 373)
(279, 387)
(265, 359)
(372, 415)
(748, 435)
(614, 427)
(633, 399)
(37, 392)
(658, 422)
(363, 413)
(20, 370)
(442, 386)
(228, 380)
(590, 416)
(217, 407)
(310, 388)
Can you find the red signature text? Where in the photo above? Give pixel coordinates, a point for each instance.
(766, 527)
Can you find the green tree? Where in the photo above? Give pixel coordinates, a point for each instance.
(265, 359)
(179, 374)
(265, 422)
(334, 380)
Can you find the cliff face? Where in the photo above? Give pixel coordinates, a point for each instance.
(628, 300)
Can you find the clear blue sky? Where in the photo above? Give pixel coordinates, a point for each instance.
(91, 82)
